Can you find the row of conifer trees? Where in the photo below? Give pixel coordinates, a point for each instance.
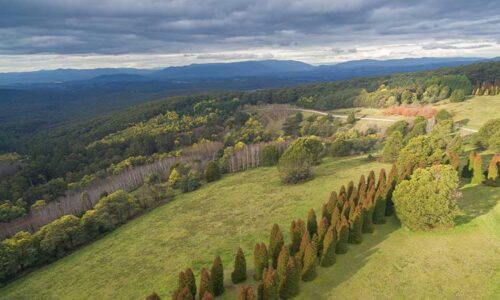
(279, 266)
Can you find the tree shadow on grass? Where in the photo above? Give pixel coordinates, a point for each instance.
(476, 201)
(348, 264)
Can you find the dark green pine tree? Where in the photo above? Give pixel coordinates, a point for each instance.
(343, 236)
(312, 223)
(205, 283)
(261, 260)
(355, 227)
(310, 260)
(240, 267)
(290, 282)
(276, 242)
(283, 261)
(328, 256)
(270, 285)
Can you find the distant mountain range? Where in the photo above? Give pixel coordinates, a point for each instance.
(278, 69)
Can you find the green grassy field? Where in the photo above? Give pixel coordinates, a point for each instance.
(147, 253)
(474, 112)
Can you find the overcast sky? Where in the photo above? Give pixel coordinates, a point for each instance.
(48, 34)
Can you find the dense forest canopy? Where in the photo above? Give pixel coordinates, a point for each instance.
(56, 157)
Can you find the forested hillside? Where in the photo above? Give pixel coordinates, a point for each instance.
(77, 153)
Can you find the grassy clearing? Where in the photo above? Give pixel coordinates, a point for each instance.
(474, 112)
(147, 253)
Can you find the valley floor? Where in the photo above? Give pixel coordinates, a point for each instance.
(146, 254)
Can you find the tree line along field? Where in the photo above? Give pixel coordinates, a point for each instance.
(146, 254)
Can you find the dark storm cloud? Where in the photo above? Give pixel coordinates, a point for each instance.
(188, 26)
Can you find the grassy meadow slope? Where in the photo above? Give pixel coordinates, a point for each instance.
(474, 112)
(147, 253)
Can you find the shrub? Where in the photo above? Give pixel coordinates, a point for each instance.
(493, 167)
(270, 156)
(190, 182)
(294, 165)
(442, 115)
(212, 172)
(489, 135)
(153, 296)
(174, 178)
(422, 151)
(457, 96)
(351, 118)
(428, 199)
(400, 126)
(240, 268)
(153, 178)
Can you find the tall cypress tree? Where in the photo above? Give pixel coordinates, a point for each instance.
(205, 283)
(190, 281)
(332, 201)
(240, 267)
(350, 187)
(371, 180)
(367, 212)
(390, 185)
(276, 242)
(261, 260)
(283, 261)
(381, 180)
(246, 293)
(296, 232)
(289, 285)
(493, 168)
(323, 227)
(217, 275)
(270, 285)
(478, 176)
(184, 294)
(343, 236)
(310, 260)
(328, 256)
(380, 205)
(312, 224)
(208, 296)
(306, 239)
(362, 184)
(355, 227)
